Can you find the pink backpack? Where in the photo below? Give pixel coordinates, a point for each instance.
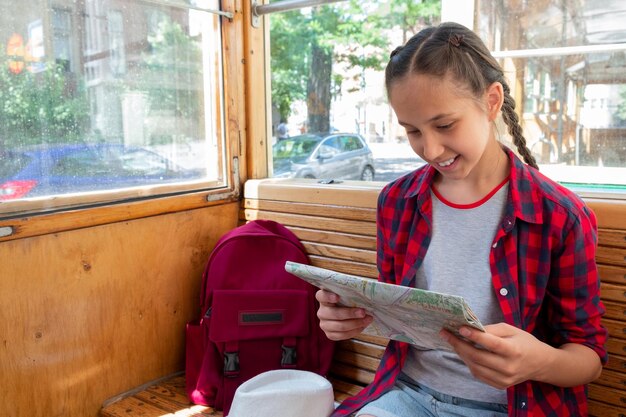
(256, 316)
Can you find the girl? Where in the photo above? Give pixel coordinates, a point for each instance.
(477, 222)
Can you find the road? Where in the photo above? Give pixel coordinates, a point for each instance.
(392, 160)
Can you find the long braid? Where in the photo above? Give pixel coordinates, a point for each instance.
(515, 129)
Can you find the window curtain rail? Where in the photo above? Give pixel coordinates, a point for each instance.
(259, 10)
(561, 51)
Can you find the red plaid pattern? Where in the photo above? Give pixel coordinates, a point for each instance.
(543, 255)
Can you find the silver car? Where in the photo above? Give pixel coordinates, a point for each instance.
(327, 156)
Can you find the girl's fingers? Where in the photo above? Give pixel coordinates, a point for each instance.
(344, 329)
(331, 312)
(340, 323)
(326, 297)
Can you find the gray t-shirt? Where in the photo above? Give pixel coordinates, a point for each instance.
(457, 262)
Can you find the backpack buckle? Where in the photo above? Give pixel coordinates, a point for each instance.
(289, 357)
(231, 364)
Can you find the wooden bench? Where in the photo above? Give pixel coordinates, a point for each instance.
(337, 227)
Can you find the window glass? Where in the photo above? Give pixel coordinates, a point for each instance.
(105, 95)
(62, 31)
(140, 163)
(81, 163)
(329, 149)
(565, 62)
(332, 144)
(12, 164)
(331, 82)
(295, 148)
(351, 143)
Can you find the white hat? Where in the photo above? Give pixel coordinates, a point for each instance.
(284, 393)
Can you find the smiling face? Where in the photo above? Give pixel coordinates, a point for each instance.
(448, 127)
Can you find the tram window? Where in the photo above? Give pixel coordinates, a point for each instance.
(104, 96)
(565, 62)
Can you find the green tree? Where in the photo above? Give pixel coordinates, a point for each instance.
(290, 39)
(45, 107)
(410, 16)
(306, 44)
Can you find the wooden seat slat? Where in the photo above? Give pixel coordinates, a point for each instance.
(164, 396)
(617, 363)
(163, 403)
(607, 394)
(613, 379)
(615, 311)
(343, 387)
(339, 252)
(335, 225)
(616, 328)
(350, 373)
(612, 274)
(376, 340)
(348, 267)
(613, 292)
(357, 360)
(600, 409)
(193, 412)
(612, 237)
(133, 406)
(362, 347)
(347, 240)
(340, 396)
(312, 209)
(609, 255)
(616, 346)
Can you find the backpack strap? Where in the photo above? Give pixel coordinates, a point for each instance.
(231, 359)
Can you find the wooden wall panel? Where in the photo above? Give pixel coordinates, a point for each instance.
(90, 313)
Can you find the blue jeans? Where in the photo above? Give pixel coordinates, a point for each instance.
(411, 400)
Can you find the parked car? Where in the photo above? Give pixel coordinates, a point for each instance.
(326, 155)
(67, 168)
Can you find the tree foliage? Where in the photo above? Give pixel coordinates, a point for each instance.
(44, 107)
(411, 16)
(290, 38)
(304, 43)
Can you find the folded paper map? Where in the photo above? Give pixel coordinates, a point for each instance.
(406, 314)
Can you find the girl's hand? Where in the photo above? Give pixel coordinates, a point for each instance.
(503, 356)
(340, 323)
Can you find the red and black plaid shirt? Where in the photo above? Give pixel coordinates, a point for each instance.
(543, 271)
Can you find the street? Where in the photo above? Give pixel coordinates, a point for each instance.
(391, 160)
